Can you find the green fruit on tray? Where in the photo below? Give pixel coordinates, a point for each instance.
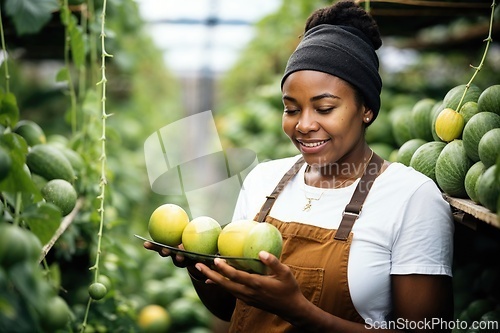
(201, 234)
(166, 224)
(263, 237)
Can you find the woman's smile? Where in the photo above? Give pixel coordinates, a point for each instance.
(312, 146)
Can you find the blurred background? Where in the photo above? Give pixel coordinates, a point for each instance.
(173, 59)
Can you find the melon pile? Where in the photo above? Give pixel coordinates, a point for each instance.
(454, 141)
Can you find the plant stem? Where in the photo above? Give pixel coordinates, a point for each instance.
(5, 55)
(82, 70)
(67, 48)
(103, 181)
(488, 40)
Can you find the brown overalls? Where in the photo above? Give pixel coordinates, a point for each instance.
(317, 256)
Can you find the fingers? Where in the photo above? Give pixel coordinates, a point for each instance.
(177, 258)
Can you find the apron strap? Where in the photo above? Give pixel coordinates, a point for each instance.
(353, 208)
(268, 204)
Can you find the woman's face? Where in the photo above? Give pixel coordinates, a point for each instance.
(323, 118)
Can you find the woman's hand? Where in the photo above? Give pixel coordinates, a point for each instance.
(177, 258)
(278, 292)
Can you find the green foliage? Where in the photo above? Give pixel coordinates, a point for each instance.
(30, 16)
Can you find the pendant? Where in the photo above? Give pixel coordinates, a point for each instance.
(307, 207)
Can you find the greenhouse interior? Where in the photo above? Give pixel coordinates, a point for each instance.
(113, 109)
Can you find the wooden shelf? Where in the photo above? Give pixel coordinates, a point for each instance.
(470, 209)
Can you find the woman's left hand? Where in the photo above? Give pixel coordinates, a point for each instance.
(278, 292)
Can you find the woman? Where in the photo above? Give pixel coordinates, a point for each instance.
(343, 268)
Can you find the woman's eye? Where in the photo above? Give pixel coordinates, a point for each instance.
(325, 110)
(291, 111)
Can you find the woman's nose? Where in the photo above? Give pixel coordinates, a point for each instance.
(307, 122)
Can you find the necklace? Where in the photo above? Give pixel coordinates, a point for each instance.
(356, 176)
(308, 205)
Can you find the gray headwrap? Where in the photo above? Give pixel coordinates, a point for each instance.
(341, 51)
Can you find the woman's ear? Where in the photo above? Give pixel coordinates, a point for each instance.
(367, 115)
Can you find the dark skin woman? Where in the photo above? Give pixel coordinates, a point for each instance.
(392, 270)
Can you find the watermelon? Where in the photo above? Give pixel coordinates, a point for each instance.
(474, 130)
(488, 188)
(400, 120)
(421, 119)
(425, 157)
(468, 110)
(489, 100)
(454, 95)
(489, 147)
(451, 168)
(436, 110)
(406, 151)
(471, 177)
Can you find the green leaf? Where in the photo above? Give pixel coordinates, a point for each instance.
(77, 42)
(62, 75)
(9, 111)
(30, 16)
(19, 178)
(43, 220)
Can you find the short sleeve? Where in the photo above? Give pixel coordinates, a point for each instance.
(424, 242)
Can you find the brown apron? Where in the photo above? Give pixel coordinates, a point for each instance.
(317, 256)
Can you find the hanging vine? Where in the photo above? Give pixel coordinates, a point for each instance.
(97, 290)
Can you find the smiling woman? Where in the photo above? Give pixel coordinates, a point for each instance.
(341, 266)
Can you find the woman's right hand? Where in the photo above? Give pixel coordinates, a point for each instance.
(177, 258)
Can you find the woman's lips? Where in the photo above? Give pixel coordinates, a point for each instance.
(312, 146)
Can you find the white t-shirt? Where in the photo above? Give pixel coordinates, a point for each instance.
(405, 225)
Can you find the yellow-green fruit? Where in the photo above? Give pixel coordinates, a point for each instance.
(201, 234)
(154, 319)
(449, 125)
(263, 237)
(167, 223)
(232, 237)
